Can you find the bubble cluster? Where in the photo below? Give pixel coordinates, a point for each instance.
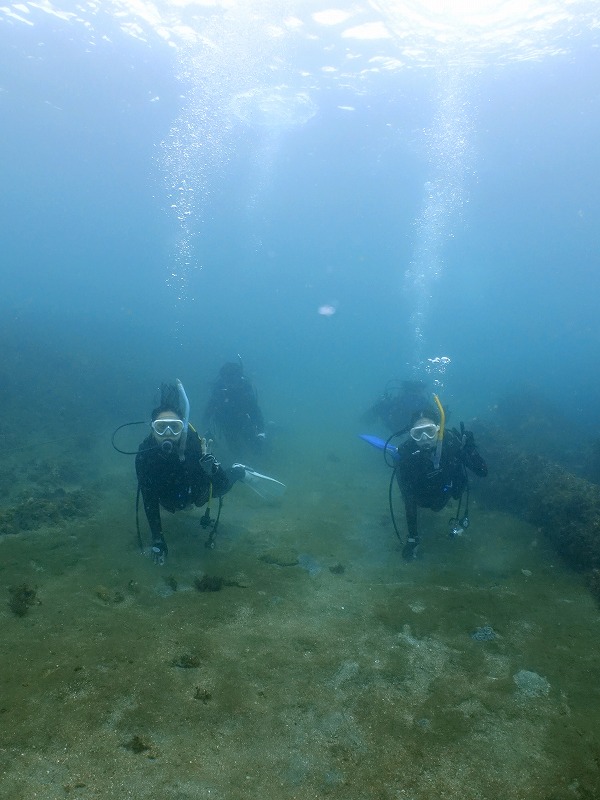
(436, 367)
(449, 160)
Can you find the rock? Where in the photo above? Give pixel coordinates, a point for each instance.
(484, 634)
(531, 684)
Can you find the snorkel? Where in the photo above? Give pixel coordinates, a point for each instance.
(438, 449)
(185, 405)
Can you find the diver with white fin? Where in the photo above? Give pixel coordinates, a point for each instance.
(176, 470)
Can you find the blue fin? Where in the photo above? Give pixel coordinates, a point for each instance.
(375, 441)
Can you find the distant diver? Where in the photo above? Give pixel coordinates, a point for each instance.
(398, 404)
(233, 412)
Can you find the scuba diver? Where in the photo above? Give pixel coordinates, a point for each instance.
(398, 404)
(233, 411)
(176, 470)
(430, 468)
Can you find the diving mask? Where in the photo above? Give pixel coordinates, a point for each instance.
(163, 427)
(425, 433)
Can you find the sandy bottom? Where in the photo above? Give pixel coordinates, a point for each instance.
(348, 675)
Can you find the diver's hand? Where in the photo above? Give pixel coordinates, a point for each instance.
(205, 445)
(208, 462)
(159, 551)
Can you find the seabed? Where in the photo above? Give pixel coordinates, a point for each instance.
(320, 666)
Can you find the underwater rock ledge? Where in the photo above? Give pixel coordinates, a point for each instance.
(566, 508)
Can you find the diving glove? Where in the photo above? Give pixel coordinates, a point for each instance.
(209, 464)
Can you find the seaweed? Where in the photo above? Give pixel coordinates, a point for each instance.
(136, 745)
(202, 694)
(209, 583)
(187, 661)
(214, 583)
(52, 473)
(109, 596)
(48, 508)
(21, 599)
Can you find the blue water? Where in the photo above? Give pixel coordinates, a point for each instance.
(325, 211)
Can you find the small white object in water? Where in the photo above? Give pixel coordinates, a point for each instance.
(327, 310)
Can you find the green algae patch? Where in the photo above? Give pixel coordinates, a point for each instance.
(21, 599)
(280, 556)
(40, 510)
(214, 583)
(137, 745)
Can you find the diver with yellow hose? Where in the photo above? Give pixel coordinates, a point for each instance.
(431, 467)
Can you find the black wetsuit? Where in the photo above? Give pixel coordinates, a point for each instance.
(166, 481)
(423, 486)
(234, 411)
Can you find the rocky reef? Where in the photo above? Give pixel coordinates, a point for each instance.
(565, 508)
(44, 508)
